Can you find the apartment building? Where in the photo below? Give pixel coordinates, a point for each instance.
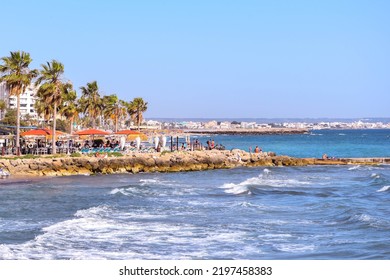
(27, 100)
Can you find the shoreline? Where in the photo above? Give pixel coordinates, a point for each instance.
(254, 131)
(179, 161)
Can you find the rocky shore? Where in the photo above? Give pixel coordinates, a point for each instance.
(162, 162)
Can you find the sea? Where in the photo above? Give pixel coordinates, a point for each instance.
(273, 213)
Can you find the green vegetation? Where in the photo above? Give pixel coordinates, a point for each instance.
(17, 76)
(75, 155)
(57, 103)
(115, 154)
(165, 152)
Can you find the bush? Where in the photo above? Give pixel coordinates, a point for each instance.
(75, 155)
(165, 152)
(115, 154)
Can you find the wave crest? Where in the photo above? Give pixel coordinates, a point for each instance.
(384, 189)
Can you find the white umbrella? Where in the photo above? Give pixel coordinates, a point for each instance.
(156, 140)
(122, 142)
(164, 141)
(138, 141)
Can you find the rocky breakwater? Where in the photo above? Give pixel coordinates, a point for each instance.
(156, 162)
(134, 163)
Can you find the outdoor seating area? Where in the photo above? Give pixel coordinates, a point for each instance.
(94, 141)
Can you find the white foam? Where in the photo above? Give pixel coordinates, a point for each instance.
(354, 167)
(384, 189)
(118, 190)
(266, 171)
(236, 188)
(275, 236)
(149, 181)
(365, 218)
(295, 248)
(261, 181)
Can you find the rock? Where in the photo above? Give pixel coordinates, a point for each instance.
(160, 162)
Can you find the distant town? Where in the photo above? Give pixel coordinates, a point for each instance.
(253, 125)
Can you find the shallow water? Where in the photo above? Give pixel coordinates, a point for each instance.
(335, 143)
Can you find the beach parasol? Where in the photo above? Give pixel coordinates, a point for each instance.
(163, 140)
(127, 132)
(92, 132)
(41, 132)
(132, 134)
(156, 141)
(138, 142)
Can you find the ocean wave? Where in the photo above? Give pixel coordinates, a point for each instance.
(384, 189)
(94, 233)
(266, 171)
(157, 182)
(295, 248)
(251, 184)
(368, 221)
(375, 175)
(355, 167)
(150, 182)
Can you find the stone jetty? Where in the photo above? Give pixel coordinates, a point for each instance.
(162, 162)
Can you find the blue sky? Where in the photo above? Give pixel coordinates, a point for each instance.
(216, 59)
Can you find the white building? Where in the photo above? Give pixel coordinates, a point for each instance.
(27, 100)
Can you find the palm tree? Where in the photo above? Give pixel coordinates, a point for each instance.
(3, 106)
(69, 108)
(17, 76)
(136, 108)
(52, 90)
(90, 101)
(42, 110)
(113, 108)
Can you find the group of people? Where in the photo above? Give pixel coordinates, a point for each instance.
(210, 144)
(256, 150)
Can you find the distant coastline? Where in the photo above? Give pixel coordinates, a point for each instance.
(259, 131)
(194, 124)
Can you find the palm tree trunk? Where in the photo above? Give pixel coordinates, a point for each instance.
(138, 121)
(54, 129)
(71, 126)
(17, 145)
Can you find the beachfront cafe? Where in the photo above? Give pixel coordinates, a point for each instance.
(38, 141)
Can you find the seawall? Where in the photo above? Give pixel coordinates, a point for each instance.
(162, 162)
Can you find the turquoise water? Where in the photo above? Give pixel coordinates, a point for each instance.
(316, 212)
(335, 143)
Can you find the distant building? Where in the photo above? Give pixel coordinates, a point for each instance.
(27, 100)
(210, 124)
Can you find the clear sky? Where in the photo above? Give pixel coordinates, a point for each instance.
(216, 59)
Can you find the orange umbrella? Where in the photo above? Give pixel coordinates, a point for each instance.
(92, 132)
(127, 132)
(40, 132)
(132, 134)
(132, 137)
